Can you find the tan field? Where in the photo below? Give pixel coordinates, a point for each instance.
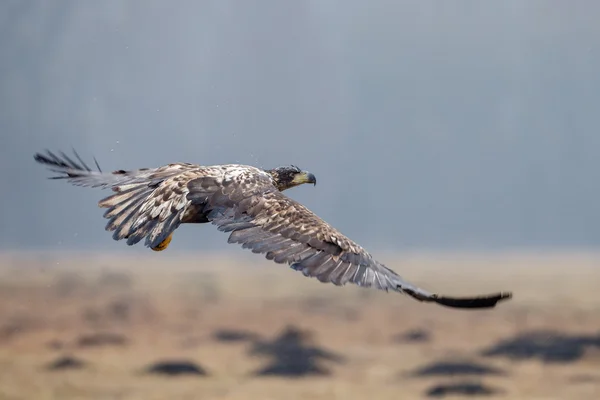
(163, 326)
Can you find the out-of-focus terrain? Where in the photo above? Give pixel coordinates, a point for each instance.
(162, 326)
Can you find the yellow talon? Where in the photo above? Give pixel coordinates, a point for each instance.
(164, 244)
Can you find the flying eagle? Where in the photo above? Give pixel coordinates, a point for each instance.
(248, 202)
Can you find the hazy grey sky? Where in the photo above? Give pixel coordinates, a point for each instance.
(456, 124)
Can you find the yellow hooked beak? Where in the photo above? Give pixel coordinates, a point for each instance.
(304, 177)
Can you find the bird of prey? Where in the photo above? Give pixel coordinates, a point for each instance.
(247, 202)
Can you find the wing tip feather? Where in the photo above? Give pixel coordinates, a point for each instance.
(475, 302)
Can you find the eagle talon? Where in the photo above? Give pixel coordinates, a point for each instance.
(164, 244)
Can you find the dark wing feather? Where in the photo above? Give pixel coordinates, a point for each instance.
(264, 220)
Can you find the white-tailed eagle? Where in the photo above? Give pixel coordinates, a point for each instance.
(247, 202)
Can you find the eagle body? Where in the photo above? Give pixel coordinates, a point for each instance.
(249, 204)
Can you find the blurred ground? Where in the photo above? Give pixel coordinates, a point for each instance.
(159, 326)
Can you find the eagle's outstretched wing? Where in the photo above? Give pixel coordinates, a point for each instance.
(147, 203)
(241, 200)
(268, 222)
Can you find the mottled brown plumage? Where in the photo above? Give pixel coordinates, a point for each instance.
(248, 203)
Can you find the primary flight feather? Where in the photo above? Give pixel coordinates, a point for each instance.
(247, 202)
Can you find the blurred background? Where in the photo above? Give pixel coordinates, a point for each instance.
(455, 140)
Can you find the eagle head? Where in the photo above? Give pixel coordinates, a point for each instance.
(290, 176)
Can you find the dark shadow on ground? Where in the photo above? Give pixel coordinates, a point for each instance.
(293, 355)
(66, 363)
(454, 368)
(234, 335)
(547, 346)
(16, 325)
(413, 336)
(175, 368)
(101, 339)
(462, 389)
